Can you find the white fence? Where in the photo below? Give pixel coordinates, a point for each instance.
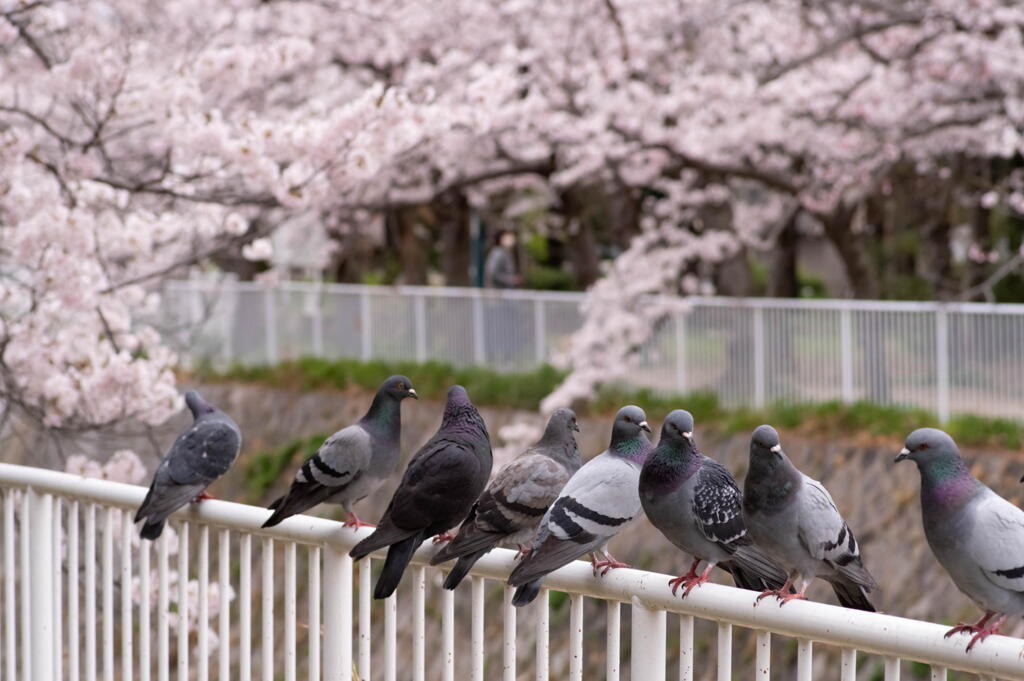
(83, 599)
(947, 358)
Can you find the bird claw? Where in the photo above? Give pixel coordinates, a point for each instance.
(787, 597)
(604, 566)
(442, 538)
(961, 628)
(354, 522)
(694, 583)
(766, 593)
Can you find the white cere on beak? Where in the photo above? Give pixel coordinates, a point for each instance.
(904, 451)
(688, 435)
(643, 424)
(777, 448)
(413, 392)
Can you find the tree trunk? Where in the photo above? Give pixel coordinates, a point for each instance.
(452, 212)
(853, 251)
(783, 280)
(404, 229)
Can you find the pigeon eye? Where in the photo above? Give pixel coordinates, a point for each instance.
(923, 445)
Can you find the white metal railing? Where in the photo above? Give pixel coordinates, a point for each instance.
(86, 616)
(944, 357)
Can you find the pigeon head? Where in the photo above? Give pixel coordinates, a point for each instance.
(561, 424)
(627, 432)
(197, 405)
(459, 412)
(678, 428)
(931, 449)
(765, 441)
(398, 387)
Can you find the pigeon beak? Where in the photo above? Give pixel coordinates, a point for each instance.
(688, 435)
(904, 454)
(412, 394)
(576, 427)
(644, 426)
(776, 448)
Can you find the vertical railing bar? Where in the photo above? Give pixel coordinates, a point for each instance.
(90, 592)
(10, 609)
(365, 625)
(892, 669)
(366, 337)
(107, 564)
(73, 564)
(337, 614)
(543, 633)
(183, 602)
(686, 648)
(846, 354)
(317, 322)
(724, 651)
(448, 635)
(267, 610)
(38, 526)
(479, 349)
(804, 660)
(575, 637)
(26, 579)
(476, 669)
(508, 648)
(390, 637)
(223, 602)
(680, 329)
(540, 332)
(418, 629)
(763, 656)
(848, 665)
(145, 652)
(612, 641)
(163, 643)
(127, 657)
(313, 637)
(759, 363)
(58, 587)
(420, 320)
(942, 363)
(289, 612)
(647, 659)
(937, 673)
(203, 614)
(245, 607)
(270, 325)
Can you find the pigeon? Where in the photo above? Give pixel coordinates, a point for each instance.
(352, 463)
(695, 503)
(197, 458)
(438, 489)
(508, 511)
(793, 519)
(977, 536)
(596, 503)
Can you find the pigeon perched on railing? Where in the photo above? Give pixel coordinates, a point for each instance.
(197, 458)
(695, 503)
(793, 519)
(438, 489)
(352, 463)
(596, 503)
(508, 511)
(977, 535)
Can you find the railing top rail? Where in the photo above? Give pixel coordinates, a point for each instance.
(830, 304)
(870, 632)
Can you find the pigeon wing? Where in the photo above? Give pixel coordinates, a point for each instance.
(827, 537)
(997, 543)
(717, 504)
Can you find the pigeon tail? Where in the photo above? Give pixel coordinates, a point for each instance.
(399, 555)
(851, 595)
(461, 568)
(744, 578)
(152, 531)
(526, 593)
(756, 568)
(381, 537)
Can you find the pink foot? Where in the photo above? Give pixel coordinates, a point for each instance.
(697, 581)
(766, 593)
(984, 632)
(604, 566)
(202, 496)
(354, 521)
(684, 580)
(443, 538)
(523, 552)
(964, 627)
(787, 597)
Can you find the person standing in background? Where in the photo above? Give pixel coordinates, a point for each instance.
(500, 270)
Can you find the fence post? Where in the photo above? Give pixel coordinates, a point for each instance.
(270, 318)
(40, 521)
(942, 362)
(420, 320)
(647, 649)
(337, 646)
(316, 301)
(364, 325)
(540, 331)
(759, 368)
(479, 347)
(846, 354)
(681, 353)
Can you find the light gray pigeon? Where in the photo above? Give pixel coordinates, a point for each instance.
(596, 503)
(977, 535)
(793, 519)
(197, 458)
(438, 488)
(508, 511)
(353, 462)
(695, 503)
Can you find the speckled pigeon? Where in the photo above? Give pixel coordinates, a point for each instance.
(976, 534)
(793, 519)
(695, 503)
(197, 458)
(352, 463)
(438, 488)
(508, 511)
(596, 503)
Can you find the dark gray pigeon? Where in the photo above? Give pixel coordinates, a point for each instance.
(352, 463)
(596, 503)
(197, 458)
(508, 511)
(695, 503)
(977, 535)
(793, 519)
(438, 488)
